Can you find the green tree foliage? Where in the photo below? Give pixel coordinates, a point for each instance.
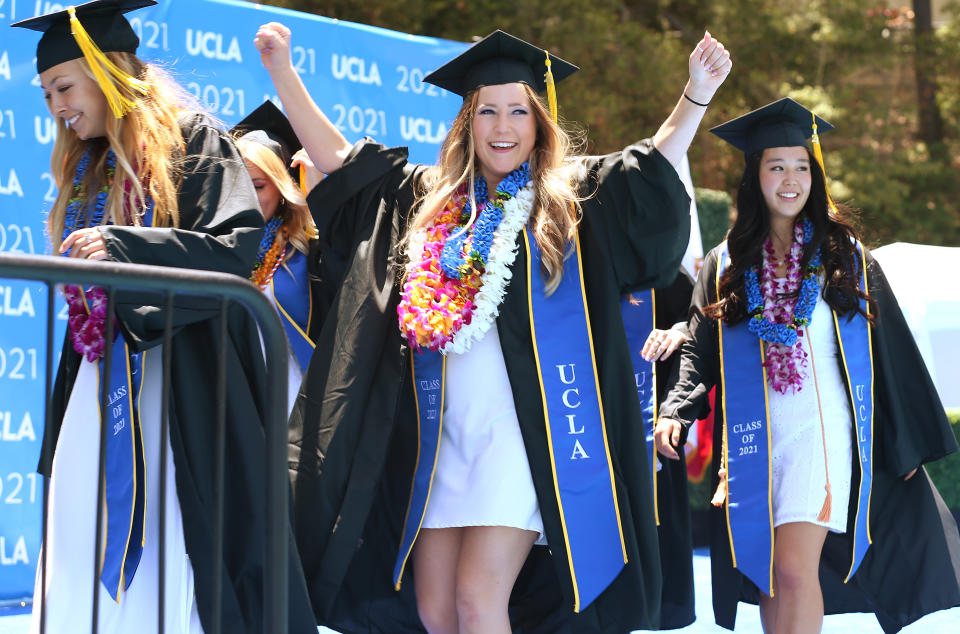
(852, 61)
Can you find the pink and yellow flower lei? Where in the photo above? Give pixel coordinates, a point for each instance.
(433, 306)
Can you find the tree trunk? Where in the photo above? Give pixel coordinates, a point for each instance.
(929, 119)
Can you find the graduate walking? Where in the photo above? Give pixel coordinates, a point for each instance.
(825, 411)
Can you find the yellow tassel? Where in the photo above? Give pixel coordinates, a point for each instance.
(303, 180)
(818, 154)
(827, 506)
(720, 495)
(551, 90)
(107, 74)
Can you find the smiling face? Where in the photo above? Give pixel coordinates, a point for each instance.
(785, 180)
(504, 130)
(72, 95)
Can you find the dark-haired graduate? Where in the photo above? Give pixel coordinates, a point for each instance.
(471, 394)
(145, 178)
(826, 413)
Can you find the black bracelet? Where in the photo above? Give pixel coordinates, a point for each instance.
(702, 105)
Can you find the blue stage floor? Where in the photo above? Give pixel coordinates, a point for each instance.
(748, 616)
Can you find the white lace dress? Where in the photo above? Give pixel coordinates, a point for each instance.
(483, 475)
(798, 457)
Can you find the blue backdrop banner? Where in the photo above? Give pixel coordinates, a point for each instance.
(368, 80)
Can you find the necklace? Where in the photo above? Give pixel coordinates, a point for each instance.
(270, 253)
(445, 312)
(777, 320)
(87, 310)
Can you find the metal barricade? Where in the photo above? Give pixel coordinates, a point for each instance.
(172, 282)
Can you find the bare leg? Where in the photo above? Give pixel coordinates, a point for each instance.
(768, 609)
(798, 600)
(435, 559)
(490, 560)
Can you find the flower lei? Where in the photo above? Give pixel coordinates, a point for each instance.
(774, 318)
(87, 310)
(455, 284)
(270, 253)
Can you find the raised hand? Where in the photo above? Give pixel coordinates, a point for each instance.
(273, 42)
(709, 64)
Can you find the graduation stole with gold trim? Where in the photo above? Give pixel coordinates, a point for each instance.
(291, 290)
(746, 436)
(638, 311)
(573, 415)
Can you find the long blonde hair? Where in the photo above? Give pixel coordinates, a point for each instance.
(297, 220)
(148, 146)
(556, 206)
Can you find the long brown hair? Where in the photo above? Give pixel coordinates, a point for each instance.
(833, 233)
(556, 207)
(148, 146)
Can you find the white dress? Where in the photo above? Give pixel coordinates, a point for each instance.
(72, 517)
(483, 475)
(797, 456)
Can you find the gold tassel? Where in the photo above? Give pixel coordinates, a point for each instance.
(720, 495)
(551, 90)
(107, 74)
(827, 506)
(303, 180)
(818, 154)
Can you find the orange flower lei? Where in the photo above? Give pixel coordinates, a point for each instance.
(272, 260)
(434, 307)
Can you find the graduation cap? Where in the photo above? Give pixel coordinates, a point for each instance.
(88, 30)
(783, 123)
(103, 21)
(268, 126)
(501, 58)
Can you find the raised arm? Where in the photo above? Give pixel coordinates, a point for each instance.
(709, 64)
(321, 139)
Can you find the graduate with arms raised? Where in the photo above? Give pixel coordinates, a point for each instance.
(471, 394)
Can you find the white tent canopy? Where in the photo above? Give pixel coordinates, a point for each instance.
(926, 282)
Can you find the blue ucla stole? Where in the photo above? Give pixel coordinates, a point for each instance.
(125, 471)
(856, 348)
(428, 372)
(746, 438)
(576, 432)
(638, 311)
(291, 290)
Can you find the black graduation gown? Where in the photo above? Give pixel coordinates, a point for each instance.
(677, 607)
(353, 429)
(912, 567)
(220, 229)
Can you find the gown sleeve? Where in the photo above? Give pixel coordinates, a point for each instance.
(690, 382)
(913, 425)
(373, 180)
(219, 229)
(640, 212)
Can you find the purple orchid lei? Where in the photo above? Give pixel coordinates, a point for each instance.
(777, 320)
(87, 309)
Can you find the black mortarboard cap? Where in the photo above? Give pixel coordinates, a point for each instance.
(499, 58)
(783, 123)
(268, 126)
(103, 21)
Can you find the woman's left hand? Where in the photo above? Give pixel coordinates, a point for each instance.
(661, 344)
(86, 244)
(710, 64)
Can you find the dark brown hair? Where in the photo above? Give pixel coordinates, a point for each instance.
(833, 233)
